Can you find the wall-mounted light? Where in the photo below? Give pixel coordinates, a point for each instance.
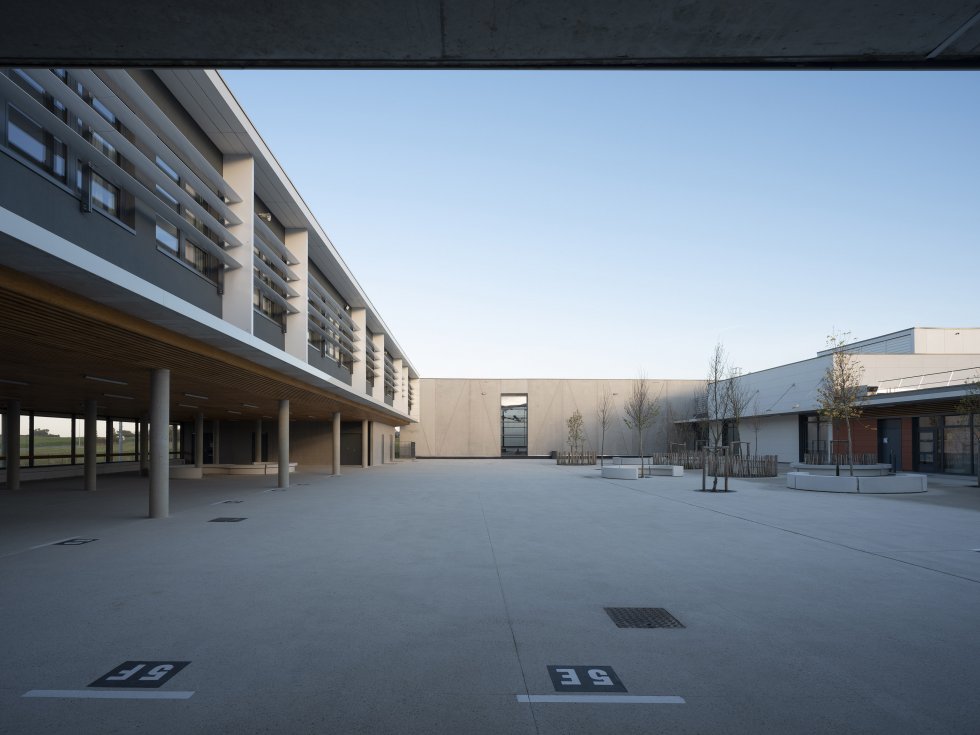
(248, 405)
(235, 412)
(186, 405)
(193, 395)
(13, 382)
(264, 216)
(116, 395)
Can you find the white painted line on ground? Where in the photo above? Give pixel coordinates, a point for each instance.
(52, 543)
(105, 694)
(599, 699)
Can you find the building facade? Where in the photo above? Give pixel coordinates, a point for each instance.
(913, 381)
(159, 269)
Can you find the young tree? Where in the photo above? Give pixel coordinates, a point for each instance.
(717, 401)
(839, 392)
(755, 420)
(603, 416)
(970, 403)
(575, 424)
(641, 409)
(737, 396)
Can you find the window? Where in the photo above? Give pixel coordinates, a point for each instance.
(513, 425)
(330, 329)
(168, 236)
(171, 240)
(264, 301)
(36, 144)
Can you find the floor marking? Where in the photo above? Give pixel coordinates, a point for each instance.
(599, 699)
(104, 694)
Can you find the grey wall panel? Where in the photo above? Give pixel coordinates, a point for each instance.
(328, 365)
(34, 197)
(268, 331)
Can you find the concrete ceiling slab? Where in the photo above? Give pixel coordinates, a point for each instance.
(496, 34)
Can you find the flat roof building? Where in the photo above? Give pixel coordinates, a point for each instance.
(912, 380)
(158, 267)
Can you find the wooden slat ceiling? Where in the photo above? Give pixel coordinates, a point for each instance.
(52, 339)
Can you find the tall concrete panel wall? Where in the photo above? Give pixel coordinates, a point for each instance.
(461, 418)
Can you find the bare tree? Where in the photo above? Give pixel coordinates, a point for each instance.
(575, 424)
(604, 417)
(737, 396)
(839, 392)
(717, 401)
(641, 410)
(970, 403)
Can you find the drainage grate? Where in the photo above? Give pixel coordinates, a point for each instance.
(75, 541)
(232, 501)
(225, 520)
(642, 617)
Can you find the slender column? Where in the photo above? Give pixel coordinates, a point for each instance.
(199, 439)
(297, 334)
(372, 459)
(144, 447)
(159, 440)
(258, 440)
(91, 440)
(236, 301)
(12, 438)
(359, 374)
(336, 443)
(216, 441)
(364, 443)
(284, 442)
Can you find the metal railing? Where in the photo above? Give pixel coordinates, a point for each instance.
(944, 379)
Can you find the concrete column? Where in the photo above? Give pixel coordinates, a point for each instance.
(236, 301)
(297, 332)
(378, 393)
(336, 443)
(284, 443)
(159, 440)
(258, 440)
(365, 449)
(144, 447)
(199, 439)
(359, 375)
(216, 441)
(12, 438)
(91, 442)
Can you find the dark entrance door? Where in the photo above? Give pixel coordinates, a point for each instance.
(208, 447)
(928, 449)
(350, 443)
(890, 443)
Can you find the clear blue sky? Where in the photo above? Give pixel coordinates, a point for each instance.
(591, 224)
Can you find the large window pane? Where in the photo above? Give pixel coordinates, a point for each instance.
(167, 235)
(124, 446)
(52, 440)
(513, 424)
(956, 450)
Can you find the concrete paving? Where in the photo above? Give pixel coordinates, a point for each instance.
(425, 597)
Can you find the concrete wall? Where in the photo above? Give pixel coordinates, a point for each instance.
(461, 418)
(779, 435)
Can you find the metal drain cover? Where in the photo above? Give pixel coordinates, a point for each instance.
(225, 520)
(642, 617)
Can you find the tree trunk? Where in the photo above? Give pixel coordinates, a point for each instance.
(640, 442)
(602, 448)
(714, 482)
(850, 448)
